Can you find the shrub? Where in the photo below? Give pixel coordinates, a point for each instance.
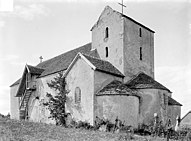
(56, 104)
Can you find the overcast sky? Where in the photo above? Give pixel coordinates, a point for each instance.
(31, 28)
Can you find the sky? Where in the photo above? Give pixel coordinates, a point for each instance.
(33, 28)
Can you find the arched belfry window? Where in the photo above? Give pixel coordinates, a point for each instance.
(77, 95)
(106, 32)
(106, 52)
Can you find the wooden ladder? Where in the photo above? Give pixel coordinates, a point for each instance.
(23, 113)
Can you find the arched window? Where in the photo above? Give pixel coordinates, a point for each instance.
(141, 55)
(106, 52)
(77, 95)
(106, 32)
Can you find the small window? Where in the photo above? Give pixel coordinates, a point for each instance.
(77, 95)
(106, 52)
(140, 32)
(165, 100)
(106, 32)
(141, 55)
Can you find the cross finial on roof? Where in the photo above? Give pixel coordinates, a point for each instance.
(122, 5)
(40, 59)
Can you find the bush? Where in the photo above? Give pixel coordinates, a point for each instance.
(56, 104)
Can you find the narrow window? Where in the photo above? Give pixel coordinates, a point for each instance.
(140, 32)
(106, 52)
(77, 95)
(106, 32)
(141, 55)
(164, 99)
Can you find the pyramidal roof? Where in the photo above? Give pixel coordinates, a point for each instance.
(143, 81)
(116, 88)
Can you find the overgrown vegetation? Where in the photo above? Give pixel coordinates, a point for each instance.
(56, 104)
(13, 130)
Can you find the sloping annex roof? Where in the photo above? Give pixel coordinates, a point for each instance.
(172, 102)
(116, 88)
(103, 66)
(96, 64)
(143, 81)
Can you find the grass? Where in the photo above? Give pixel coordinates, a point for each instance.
(13, 130)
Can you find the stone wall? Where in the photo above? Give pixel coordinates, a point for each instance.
(102, 79)
(80, 79)
(173, 112)
(153, 101)
(186, 121)
(14, 103)
(113, 21)
(132, 44)
(37, 111)
(124, 43)
(126, 108)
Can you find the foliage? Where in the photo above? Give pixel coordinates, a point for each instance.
(56, 104)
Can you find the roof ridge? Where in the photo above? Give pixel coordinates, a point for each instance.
(133, 77)
(142, 80)
(95, 57)
(34, 66)
(133, 20)
(64, 53)
(107, 67)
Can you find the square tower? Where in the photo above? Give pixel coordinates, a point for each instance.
(124, 42)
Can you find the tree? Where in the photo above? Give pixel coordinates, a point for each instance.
(56, 104)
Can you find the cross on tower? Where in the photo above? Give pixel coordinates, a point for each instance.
(122, 5)
(40, 59)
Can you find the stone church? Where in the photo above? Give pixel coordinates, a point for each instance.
(113, 76)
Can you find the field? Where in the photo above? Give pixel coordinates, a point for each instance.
(13, 130)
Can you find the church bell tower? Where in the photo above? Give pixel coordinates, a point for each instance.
(124, 42)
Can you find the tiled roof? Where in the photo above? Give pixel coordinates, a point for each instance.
(61, 62)
(104, 66)
(35, 70)
(186, 115)
(171, 101)
(116, 87)
(16, 83)
(143, 81)
(94, 53)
